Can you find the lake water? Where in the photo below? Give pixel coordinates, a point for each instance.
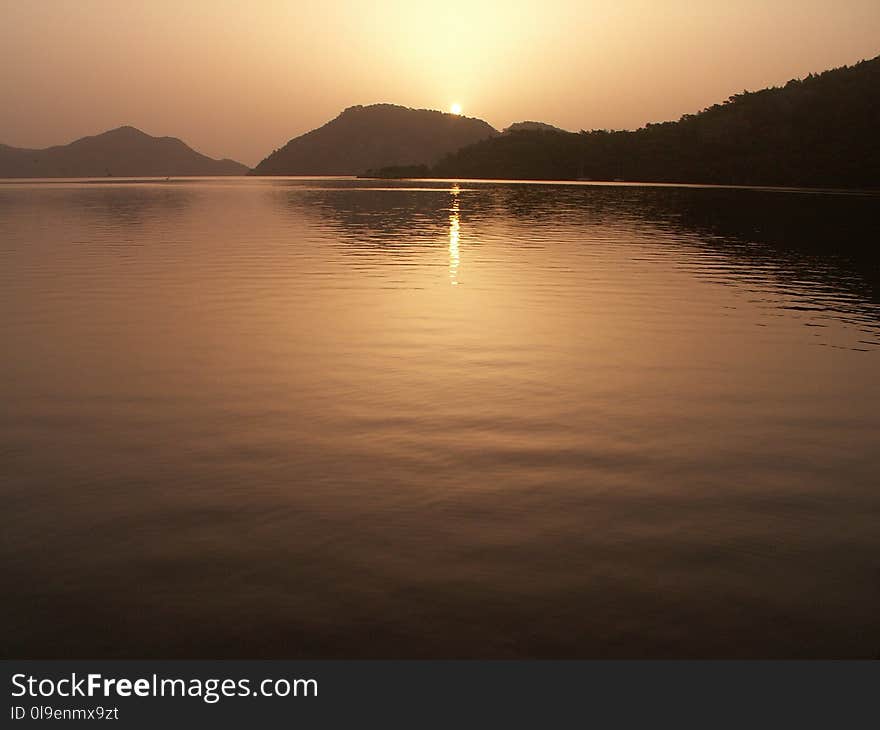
(349, 418)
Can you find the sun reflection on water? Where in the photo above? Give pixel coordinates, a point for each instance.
(454, 223)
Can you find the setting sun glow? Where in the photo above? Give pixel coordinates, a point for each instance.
(455, 108)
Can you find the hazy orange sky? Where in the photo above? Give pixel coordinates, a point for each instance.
(238, 79)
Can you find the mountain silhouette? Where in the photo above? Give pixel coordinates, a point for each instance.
(821, 131)
(122, 152)
(375, 136)
(531, 127)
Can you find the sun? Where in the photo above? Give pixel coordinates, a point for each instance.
(455, 108)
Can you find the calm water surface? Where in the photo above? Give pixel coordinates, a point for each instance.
(319, 418)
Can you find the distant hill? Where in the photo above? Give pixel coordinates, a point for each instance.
(822, 131)
(122, 152)
(531, 127)
(369, 137)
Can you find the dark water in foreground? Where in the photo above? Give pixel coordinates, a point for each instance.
(288, 418)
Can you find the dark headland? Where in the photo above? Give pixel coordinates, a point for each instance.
(820, 131)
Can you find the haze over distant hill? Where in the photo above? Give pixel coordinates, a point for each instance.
(531, 127)
(122, 152)
(374, 136)
(822, 131)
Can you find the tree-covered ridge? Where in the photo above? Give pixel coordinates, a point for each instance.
(821, 131)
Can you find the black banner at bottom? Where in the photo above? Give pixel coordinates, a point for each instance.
(458, 693)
